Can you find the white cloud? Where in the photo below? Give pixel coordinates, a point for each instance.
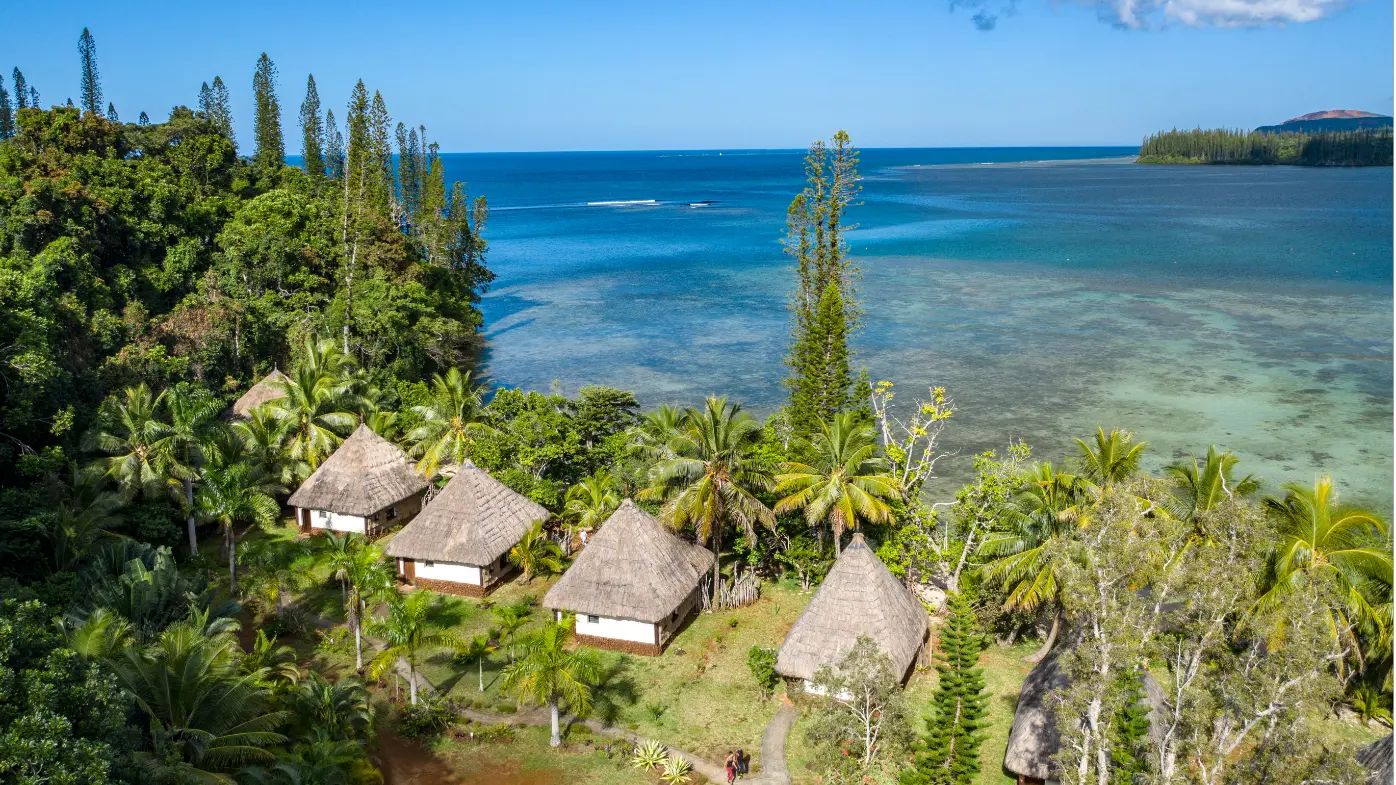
(1215, 13)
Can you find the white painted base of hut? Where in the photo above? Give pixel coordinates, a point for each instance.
(464, 580)
(630, 636)
(321, 521)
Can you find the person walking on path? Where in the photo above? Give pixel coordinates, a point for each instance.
(741, 763)
(731, 765)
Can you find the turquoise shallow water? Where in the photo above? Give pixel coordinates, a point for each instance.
(1246, 307)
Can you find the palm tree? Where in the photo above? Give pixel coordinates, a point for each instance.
(139, 443)
(230, 494)
(1202, 486)
(83, 518)
(406, 632)
(651, 440)
(535, 554)
(101, 635)
(193, 419)
(590, 502)
(847, 481)
(338, 550)
(368, 577)
(205, 714)
(275, 569)
(264, 442)
(1049, 507)
(477, 650)
(277, 663)
(319, 410)
(710, 479)
(548, 672)
(1324, 542)
(451, 422)
(1113, 458)
(338, 709)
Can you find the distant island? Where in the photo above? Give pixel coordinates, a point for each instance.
(1337, 137)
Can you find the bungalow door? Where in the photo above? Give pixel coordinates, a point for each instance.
(409, 571)
(305, 519)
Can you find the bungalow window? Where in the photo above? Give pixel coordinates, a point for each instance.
(392, 513)
(324, 513)
(429, 563)
(593, 619)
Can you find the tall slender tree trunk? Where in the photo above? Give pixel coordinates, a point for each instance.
(480, 663)
(412, 682)
(717, 562)
(556, 740)
(189, 502)
(1051, 636)
(358, 636)
(232, 559)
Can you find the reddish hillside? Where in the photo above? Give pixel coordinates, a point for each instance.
(1331, 114)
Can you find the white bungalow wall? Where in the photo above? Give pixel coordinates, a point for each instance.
(448, 571)
(324, 519)
(615, 629)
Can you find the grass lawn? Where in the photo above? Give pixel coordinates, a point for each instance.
(697, 695)
(528, 760)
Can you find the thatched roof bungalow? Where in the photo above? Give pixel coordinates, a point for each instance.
(1376, 759)
(258, 394)
(858, 597)
(460, 543)
(633, 586)
(1034, 739)
(366, 486)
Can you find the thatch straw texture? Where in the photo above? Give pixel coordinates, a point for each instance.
(475, 519)
(858, 597)
(1376, 759)
(1034, 738)
(366, 474)
(632, 568)
(258, 394)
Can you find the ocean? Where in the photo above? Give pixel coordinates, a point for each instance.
(1050, 290)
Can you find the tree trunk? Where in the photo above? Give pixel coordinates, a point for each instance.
(838, 535)
(556, 740)
(189, 500)
(358, 637)
(412, 682)
(717, 563)
(1051, 636)
(481, 663)
(232, 560)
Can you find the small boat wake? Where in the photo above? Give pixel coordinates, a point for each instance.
(622, 203)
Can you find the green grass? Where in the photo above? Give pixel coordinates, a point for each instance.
(528, 759)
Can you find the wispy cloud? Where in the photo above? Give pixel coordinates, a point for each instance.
(1147, 14)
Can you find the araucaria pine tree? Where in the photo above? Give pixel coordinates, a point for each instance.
(820, 384)
(215, 105)
(334, 148)
(951, 752)
(312, 131)
(111, 113)
(7, 117)
(1129, 759)
(144, 119)
(266, 123)
(91, 81)
(22, 91)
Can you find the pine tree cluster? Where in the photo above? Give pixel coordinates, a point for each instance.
(1364, 147)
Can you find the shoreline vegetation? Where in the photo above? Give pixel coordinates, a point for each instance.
(191, 332)
(1364, 147)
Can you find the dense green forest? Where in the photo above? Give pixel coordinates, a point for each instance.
(161, 621)
(1225, 146)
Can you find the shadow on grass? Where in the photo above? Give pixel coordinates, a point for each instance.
(614, 691)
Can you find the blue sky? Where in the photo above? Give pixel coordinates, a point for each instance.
(708, 74)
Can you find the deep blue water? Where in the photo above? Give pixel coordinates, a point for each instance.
(1049, 289)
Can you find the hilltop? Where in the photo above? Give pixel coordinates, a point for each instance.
(1330, 120)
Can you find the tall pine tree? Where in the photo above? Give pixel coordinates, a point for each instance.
(334, 148)
(144, 119)
(220, 109)
(312, 131)
(22, 91)
(1129, 760)
(34, 97)
(381, 154)
(91, 81)
(815, 229)
(266, 122)
(111, 113)
(950, 755)
(358, 190)
(7, 117)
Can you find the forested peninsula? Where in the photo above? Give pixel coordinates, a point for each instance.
(262, 523)
(1363, 147)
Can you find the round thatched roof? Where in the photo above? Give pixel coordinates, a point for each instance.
(261, 392)
(1376, 759)
(366, 474)
(632, 568)
(475, 519)
(858, 597)
(1035, 738)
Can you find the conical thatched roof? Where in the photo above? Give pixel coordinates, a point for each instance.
(1376, 759)
(632, 568)
(366, 474)
(475, 519)
(1035, 738)
(258, 394)
(858, 597)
